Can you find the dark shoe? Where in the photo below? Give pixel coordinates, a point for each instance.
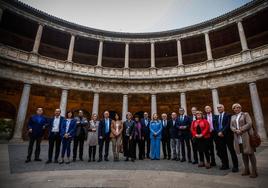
(174, 159)
(245, 173)
(208, 166)
(224, 168)
(67, 162)
(106, 159)
(94, 160)
(165, 157)
(178, 159)
(81, 159)
(56, 161)
(234, 170)
(169, 158)
(126, 159)
(61, 162)
(89, 160)
(195, 162)
(132, 160)
(48, 161)
(213, 163)
(190, 161)
(99, 160)
(27, 160)
(183, 160)
(74, 159)
(37, 159)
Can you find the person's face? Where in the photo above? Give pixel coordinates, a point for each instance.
(181, 111)
(208, 109)
(106, 114)
(57, 112)
(155, 116)
(164, 116)
(69, 115)
(220, 109)
(116, 117)
(129, 116)
(199, 116)
(39, 111)
(136, 118)
(173, 115)
(237, 109)
(81, 113)
(194, 111)
(145, 115)
(94, 117)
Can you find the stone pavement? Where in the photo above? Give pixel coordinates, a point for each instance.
(15, 173)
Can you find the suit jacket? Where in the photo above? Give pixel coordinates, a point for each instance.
(146, 128)
(81, 126)
(226, 120)
(165, 130)
(101, 131)
(70, 131)
(214, 121)
(37, 124)
(50, 125)
(131, 128)
(184, 133)
(173, 129)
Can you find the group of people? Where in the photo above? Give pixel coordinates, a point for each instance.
(197, 133)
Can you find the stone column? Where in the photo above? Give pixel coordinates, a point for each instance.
(183, 101)
(38, 38)
(127, 56)
(124, 107)
(71, 49)
(63, 101)
(100, 53)
(152, 55)
(95, 107)
(179, 52)
(257, 110)
(208, 47)
(153, 104)
(24, 100)
(215, 100)
(242, 36)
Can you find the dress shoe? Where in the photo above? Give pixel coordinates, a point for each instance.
(126, 159)
(48, 161)
(213, 163)
(174, 159)
(132, 160)
(37, 159)
(27, 160)
(165, 157)
(56, 161)
(183, 160)
(74, 159)
(194, 162)
(61, 162)
(81, 159)
(99, 160)
(89, 160)
(106, 159)
(245, 173)
(234, 169)
(190, 161)
(67, 162)
(224, 168)
(169, 158)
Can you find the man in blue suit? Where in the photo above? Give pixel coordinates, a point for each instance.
(36, 126)
(54, 138)
(145, 122)
(184, 134)
(104, 135)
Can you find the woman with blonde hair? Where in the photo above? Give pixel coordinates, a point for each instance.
(155, 136)
(92, 137)
(241, 125)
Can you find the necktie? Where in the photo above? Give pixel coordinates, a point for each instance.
(220, 123)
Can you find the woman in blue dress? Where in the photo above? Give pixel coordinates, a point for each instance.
(155, 136)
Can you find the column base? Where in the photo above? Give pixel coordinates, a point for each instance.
(246, 55)
(16, 140)
(33, 58)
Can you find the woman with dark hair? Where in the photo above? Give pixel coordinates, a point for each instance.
(128, 127)
(92, 137)
(137, 137)
(116, 136)
(67, 133)
(200, 129)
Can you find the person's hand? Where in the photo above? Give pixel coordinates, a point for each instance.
(142, 138)
(44, 127)
(100, 137)
(77, 122)
(30, 130)
(66, 135)
(220, 134)
(238, 132)
(130, 138)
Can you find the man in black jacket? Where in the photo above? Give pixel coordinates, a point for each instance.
(165, 137)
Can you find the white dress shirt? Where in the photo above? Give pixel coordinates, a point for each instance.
(56, 124)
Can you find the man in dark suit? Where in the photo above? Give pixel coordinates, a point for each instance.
(54, 138)
(212, 119)
(194, 144)
(165, 137)
(184, 134)
(80, 135)
(145, 121)
(225, 138)
(36, 126)
(104, 135)
(174, 136)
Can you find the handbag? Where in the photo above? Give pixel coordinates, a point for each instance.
(254, 139)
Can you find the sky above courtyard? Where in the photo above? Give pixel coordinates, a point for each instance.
(136, 16)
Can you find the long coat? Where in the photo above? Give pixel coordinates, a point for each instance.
(245, 125)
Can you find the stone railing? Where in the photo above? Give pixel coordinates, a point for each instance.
(131, 73)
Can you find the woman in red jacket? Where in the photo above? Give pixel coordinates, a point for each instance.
(200, 133)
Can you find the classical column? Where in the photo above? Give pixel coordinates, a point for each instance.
(100, 53)
(180, 62)
(95, 107)
(242, 36)
(152, 55)
(124, 107)
(183, 101)
(257, 110)
(215, 100)
(38, 38)
(71, 49)
(153, 105)
(126, 55)
(24, 100)
(63, 101)
(208, 47)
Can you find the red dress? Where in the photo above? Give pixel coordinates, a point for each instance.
(204, 127)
